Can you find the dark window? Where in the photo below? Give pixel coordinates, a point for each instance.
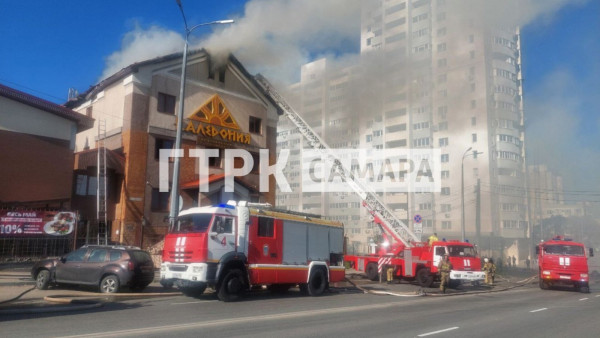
(166, 103)
(193, 223)
(76, 256)
(256, 164)
(215, 162)
(97, 255)
(160, 200)
(266, 227)
(115, 256)
(140, 256)
(255, 125)
(162, 144)
(88, 111)
(223, 225)
(81, 185)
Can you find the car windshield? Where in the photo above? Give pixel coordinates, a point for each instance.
(461, 251)
(192, 223)
(569, 250)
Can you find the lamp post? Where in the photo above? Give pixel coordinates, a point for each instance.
(462, 188)
(174, 208)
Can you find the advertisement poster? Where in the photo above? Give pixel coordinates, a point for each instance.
(26, 223)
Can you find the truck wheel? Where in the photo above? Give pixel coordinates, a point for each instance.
(232, 287)
(193, 291)
(584, 288)
(543, 284)
(372, 272)
(424, 278)
(42, 279)
(317, 282)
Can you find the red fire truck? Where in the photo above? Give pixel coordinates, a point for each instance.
(420, 260)
(235, 246)
(563, 262)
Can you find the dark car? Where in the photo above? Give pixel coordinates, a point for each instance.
(109, 267)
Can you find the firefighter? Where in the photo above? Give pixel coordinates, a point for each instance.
(490, 271)
(444, 268)
(433, 238)
(390, 274)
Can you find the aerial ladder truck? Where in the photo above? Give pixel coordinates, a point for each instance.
(410, 258)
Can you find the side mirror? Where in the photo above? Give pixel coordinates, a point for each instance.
(537, 250)
(591, 252)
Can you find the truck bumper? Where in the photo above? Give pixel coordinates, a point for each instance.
(561, 277)
(470, 276)
(191, 272)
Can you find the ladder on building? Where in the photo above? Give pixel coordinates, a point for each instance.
(101, 214)
(382, 215)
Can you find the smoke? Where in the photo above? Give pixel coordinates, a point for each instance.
(142, 44)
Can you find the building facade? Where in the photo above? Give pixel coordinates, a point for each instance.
(223, 109)
(430, 75)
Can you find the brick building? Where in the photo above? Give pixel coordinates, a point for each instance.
(223, 109)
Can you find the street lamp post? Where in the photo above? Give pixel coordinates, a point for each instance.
(462, 188)
(174, 206)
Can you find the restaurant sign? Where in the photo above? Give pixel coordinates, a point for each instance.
(24, 223)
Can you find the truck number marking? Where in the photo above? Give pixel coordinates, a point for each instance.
(224, 241)
(467, 262)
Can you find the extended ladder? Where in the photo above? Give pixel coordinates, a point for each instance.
(101, 214)
(395, 227)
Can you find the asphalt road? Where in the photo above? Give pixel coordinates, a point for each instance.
(525, 311)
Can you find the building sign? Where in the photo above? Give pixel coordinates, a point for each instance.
(23, 223)
(214, 120)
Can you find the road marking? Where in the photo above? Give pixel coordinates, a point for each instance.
(438, 331)
(584, 298)
(229, 321)
(200, 301)
(597, 295)
(538, 310)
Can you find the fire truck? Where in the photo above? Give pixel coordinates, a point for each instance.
(237, 246)
(562, 261)
(411, 257)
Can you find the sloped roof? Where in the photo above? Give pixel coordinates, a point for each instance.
(134, 67)
(83, 122)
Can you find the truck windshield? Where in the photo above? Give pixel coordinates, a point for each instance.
(192, 223)
(461, 251)
(569, 250)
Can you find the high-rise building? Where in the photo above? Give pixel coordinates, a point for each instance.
(430, 75)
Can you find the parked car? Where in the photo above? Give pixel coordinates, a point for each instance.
(110, 267)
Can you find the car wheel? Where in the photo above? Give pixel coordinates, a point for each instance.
(424, 278)
(317, 282)
(372, 272)
(109, 284)
(42, 279)
(232, 287)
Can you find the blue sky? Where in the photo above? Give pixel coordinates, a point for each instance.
(49, 46)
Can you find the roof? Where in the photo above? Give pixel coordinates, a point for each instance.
(134, 67)
(83, 122)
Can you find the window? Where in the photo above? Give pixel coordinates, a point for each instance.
(223, 225)
(421, 142)
(446, 207)
(441, 16)
(76, 256)
(81, 185)
(166, 103)
(92, 186)
(445, 173)
(445, 158)
(266, 227)
(473, 121)
(441, 31)
(395, 37)
(474, 137)
(442, 78)
(160, 200)
(473, 104)
(424, 206)
(442, 111)
(471, 38)
(215, 162)
(472, 54)
(419, 17)
(446, 225)
(441, 47)
(395, 8)
(256, 164)
(443, 126)
(115, 256)
(445, 191)
(395, 23)
(443, 142)
(88, 111)
(421, 125)
(442, 63)
(97, 255)
(163, 144)
(255, 125)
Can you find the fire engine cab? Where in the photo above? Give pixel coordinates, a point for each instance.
(235, 246)
(563, 262)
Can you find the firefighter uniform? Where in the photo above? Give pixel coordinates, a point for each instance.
(490, 271)
(390, 274)
(444, 267)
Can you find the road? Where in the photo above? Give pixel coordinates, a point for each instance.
(525, 311)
